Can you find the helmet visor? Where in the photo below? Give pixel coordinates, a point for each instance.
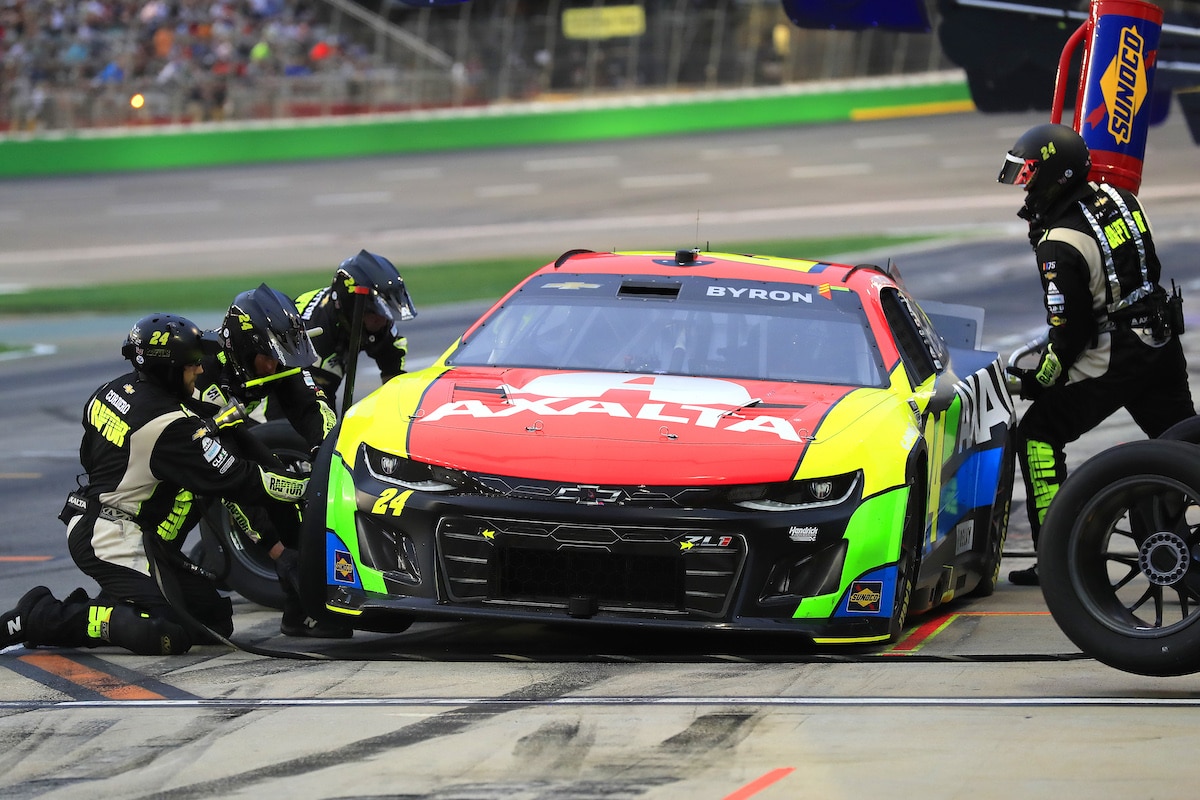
(1016, 170)
(292, 348)
(395, 304)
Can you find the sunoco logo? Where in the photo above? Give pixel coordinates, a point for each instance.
(865, 597)
(343, 567)
(1124, 85)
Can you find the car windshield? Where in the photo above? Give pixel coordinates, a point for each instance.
(690, 325)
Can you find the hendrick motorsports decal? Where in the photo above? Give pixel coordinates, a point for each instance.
(807, 533)
(703, 402)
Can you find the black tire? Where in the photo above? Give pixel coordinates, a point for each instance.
(997, 526)
(1115, 558)
(251, 573)
(908, 562)
(1187, 430)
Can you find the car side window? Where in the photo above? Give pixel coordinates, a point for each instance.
(921, 349)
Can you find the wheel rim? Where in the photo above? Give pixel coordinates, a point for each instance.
(251, 556)
(1131, 557)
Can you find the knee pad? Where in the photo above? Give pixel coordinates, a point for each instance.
(145, 634)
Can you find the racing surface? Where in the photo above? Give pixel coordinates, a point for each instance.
(980, 699)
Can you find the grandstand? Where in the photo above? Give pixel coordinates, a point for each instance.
(79, 64)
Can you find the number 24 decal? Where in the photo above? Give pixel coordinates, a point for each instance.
(391, 501)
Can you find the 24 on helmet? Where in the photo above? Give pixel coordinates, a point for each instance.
(160, 346)
(264, 321)
(385, 292)
(1050, 161)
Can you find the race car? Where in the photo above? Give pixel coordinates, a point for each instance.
(675, 440)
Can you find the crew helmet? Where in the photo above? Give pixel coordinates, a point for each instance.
(386, 294)
(264, 321)
(160, 346)
(1050, 161)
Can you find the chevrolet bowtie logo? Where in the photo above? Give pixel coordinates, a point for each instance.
(571, 285)
(588, 495)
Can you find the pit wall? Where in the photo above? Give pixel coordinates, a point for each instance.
(219, 144)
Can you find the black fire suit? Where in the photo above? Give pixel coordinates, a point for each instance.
(147, 457)
(293, 395)
(330, 334)
(1110, 343)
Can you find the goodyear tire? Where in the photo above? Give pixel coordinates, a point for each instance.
(249, 571)
(1187, 430)
(997, 532)
(1116, 562)
(908, 561)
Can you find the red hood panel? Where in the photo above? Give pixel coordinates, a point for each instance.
(617, 428)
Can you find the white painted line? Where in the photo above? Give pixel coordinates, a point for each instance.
(508, 190)
(830, 170)
(665, 181)
(35, 350)
(567, 164)
(626, 702)
(893, 142)
(145, 209)
(921, 208)
(160, 249)
(352, 199)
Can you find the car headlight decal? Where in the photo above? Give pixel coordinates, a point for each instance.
(821, 490)
(404, 472)
(795, 495)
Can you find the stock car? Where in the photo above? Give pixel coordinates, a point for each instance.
(671, 440)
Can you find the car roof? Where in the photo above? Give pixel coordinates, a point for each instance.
(739, 266)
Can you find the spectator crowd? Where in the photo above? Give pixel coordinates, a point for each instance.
(190, 49)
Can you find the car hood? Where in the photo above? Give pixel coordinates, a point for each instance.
(609, 428)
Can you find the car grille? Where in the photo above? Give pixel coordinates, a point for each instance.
(647, 496)
(622, 568)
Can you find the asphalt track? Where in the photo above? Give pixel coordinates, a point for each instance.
(980, 699)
